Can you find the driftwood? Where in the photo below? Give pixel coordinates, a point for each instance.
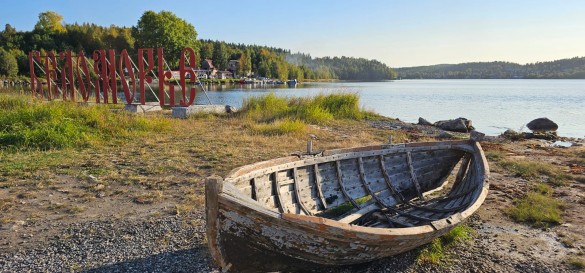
(342, 206)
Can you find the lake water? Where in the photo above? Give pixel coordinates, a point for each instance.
(492, 105)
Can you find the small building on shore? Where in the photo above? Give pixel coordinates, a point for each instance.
(224, 74)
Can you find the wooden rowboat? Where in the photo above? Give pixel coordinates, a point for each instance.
(344, 206)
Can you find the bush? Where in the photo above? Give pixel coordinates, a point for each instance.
(8, 64)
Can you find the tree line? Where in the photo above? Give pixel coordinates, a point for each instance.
(573, 68)
(345, 68)
(165, 30)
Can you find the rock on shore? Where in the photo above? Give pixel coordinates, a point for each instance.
(542, 125)
(461, 125)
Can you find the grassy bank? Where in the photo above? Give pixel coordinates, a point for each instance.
(33, 124)
(111, 152)
(273, 115)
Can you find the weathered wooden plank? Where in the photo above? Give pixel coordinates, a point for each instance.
(352, 179)
(432, 176)
(318, 185)
(263, 186)
(373, 173)
(340, 180)
(330, 185)
(440, 163)
(365, 183)
(432, 180)
(213, 187)
(395, 192)
(307, 189)
(287, 182)
(279, 204)
(388, 198)
(469, 184)
(396, 222)
(269, 202)
(463, 168)
(361, 212)
(298, 193)
(246, 190)
(421, 156)
(413, 177)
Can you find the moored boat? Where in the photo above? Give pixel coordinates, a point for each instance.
(343, 206)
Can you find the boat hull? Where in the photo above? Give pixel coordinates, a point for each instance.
(250, 237)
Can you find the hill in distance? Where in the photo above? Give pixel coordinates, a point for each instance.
(573, 68)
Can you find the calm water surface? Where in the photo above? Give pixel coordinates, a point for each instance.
(492, 105)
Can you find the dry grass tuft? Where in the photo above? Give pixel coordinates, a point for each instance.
(6, 204)
(148, 197)
(576, 263)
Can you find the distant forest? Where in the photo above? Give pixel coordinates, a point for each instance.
(573, 68)
(281, 63)
(164, 29)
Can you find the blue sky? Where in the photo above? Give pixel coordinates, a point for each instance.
(399, 33)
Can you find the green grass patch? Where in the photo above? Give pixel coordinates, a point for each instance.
(537, 209)
(36, 125)
(318, 109)
(530, 169)
(435, 252)
(265, 108)
(274, 115)
(26, 163)
(543, 189)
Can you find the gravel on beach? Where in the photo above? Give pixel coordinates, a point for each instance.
(178, 244)
(170, 244)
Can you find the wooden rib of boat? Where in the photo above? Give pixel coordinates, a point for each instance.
(344, 206)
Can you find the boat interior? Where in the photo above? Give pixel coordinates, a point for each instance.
(388, 186)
